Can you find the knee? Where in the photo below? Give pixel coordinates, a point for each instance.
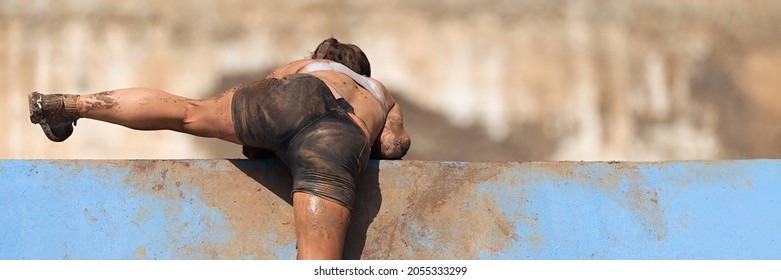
(196, 118)
(191, 114)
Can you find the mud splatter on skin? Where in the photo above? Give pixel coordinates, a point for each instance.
(101, 101)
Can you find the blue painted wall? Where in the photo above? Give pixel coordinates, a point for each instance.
(235, 209)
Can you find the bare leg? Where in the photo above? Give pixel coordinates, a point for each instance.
(321, 226)
(151, 109)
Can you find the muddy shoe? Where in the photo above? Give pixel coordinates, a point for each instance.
(56, 113)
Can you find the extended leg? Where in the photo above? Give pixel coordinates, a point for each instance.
(151, 109)
(136, 108)
(321, 226)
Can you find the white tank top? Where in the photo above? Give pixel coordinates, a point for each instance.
(364, 82)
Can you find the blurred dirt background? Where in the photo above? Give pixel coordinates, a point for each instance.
(486, 80)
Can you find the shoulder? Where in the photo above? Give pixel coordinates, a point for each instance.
(290, 68)
(390, 101)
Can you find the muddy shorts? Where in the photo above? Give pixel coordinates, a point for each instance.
(298, 118)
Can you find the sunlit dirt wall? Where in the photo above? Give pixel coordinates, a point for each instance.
(487, 80)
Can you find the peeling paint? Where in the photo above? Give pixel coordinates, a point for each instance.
(236, 209)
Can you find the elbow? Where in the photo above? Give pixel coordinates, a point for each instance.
(397, 149)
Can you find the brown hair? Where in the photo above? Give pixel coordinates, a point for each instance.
(347, 54)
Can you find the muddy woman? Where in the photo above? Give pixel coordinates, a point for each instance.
(323, 117)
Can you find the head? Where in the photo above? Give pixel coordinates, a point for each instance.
(347, 54)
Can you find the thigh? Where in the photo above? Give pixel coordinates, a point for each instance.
(212, 117)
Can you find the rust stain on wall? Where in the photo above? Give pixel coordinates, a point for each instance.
(260, 220)
(243, 202)
(623, 183)
(407, 209)
(434, 211)
(638, 195)
(424, 220)
(141, 252)
(644, 204)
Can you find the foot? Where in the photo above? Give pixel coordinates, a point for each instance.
(56, 113)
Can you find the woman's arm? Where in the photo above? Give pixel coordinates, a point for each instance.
(393, 142)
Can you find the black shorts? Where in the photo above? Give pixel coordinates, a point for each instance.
(298, 118)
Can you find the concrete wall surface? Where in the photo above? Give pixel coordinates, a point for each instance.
(237, 209)
(488, 80)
